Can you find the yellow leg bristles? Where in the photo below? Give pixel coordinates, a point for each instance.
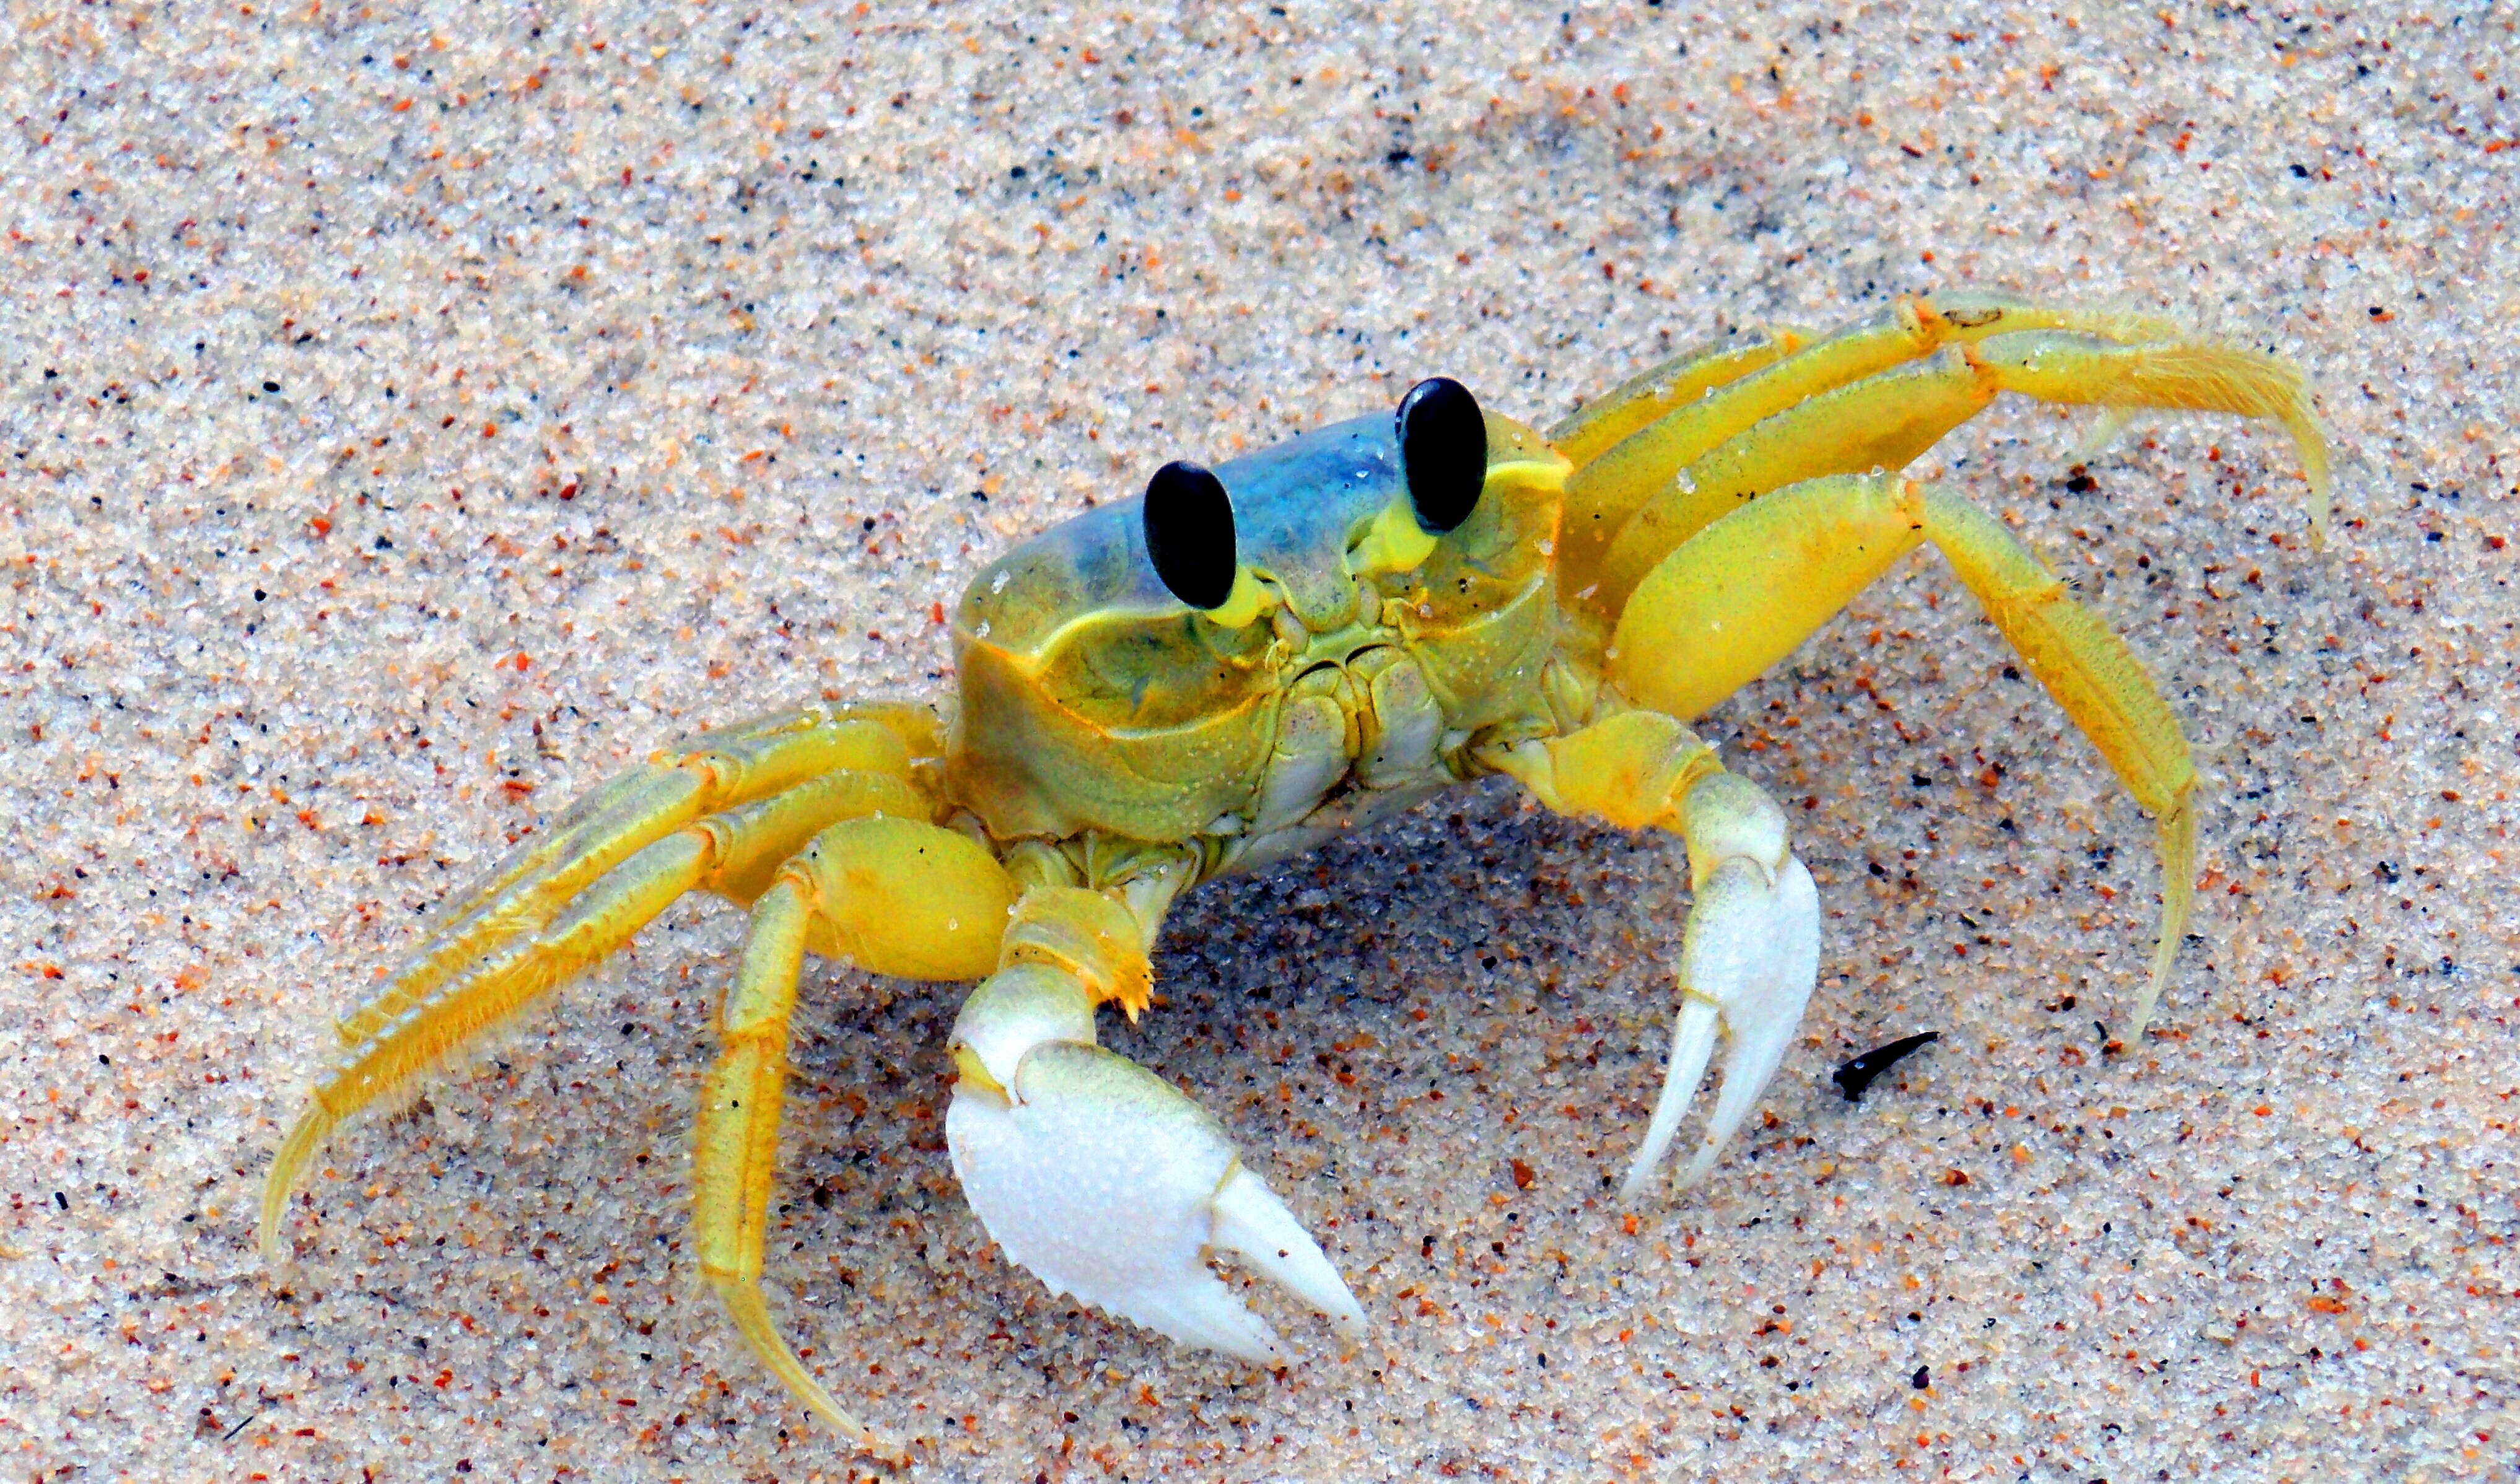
(735, 1143)
(721, 770)
(900, 896)
(1707, 536)
(1745, 591)
(2175, 841)
(1092, 935)
(750, 1311)
(1651, 394)
(307, 1135)
(573, 898)
(1875, 396)
(2186, 375)
(2091, 674)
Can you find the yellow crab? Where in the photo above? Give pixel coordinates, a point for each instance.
(1242, 662)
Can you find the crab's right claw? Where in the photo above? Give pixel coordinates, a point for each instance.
(1109, 1185)
(1747, 966)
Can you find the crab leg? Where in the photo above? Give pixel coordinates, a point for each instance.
(1097, 1175)
(1886, 420)
(731, 854)
(1852, 402)
(1653, 394)
(1746, 590)
(715, 771)
(897, 896)
(1750, 953)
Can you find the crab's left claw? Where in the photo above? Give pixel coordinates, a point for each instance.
(1107, 1183)
(1748, 960)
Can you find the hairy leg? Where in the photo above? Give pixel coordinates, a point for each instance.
(1877, 395)
(731, 853)
(897, 896)
(1654, 393)
(1746, 590)
(715, 771)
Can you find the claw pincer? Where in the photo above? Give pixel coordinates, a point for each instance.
(1242, 662)
(1108, 1183)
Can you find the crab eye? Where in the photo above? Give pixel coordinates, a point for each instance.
(1443, 452)
(1189, 533)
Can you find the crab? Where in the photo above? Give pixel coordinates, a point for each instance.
(1242, 662)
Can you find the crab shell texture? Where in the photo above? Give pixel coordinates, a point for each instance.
(1092, 700)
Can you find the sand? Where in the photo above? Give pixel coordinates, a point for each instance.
(414, 414)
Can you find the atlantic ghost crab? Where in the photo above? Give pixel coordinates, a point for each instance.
(1244, 662)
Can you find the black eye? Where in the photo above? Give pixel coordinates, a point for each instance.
(1189, 533)
(1443, 452)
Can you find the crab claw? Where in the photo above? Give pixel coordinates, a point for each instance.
(1748, 960)
(1109, 1185)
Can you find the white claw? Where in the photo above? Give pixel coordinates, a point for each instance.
(1692, 1046)
(1107, 1183)
(1760, 1015)
(1749, 961)
(1252, 1220)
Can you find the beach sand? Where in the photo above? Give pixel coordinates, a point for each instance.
(411, 416)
